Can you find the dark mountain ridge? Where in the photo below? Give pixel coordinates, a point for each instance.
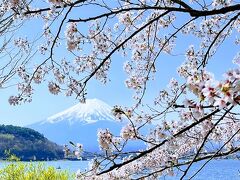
(27, 144)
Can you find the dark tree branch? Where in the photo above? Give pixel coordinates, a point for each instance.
(192, 12)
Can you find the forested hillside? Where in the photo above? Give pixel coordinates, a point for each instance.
(27, 144)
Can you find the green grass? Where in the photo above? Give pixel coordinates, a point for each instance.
(30, 171)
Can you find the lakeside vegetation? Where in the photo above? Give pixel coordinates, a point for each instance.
(33, 171)
(27, 144)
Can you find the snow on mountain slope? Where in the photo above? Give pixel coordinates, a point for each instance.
(80, 123)
(91, 111)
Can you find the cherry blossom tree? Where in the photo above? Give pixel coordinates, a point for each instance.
(194, 113)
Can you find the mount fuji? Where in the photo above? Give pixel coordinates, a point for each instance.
(80, 123)
(90, 112)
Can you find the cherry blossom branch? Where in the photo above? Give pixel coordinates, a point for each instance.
(204, 140)
(206, 157)
(160, 144)
(215, 154)
(154, 60)
(117, 47)
(215, 39)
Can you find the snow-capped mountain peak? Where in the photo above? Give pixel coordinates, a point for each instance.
(80, 123)
(91, 111)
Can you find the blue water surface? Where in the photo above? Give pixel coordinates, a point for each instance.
(224, 169)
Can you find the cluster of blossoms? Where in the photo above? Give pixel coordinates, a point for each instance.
(77, 152)
(38, 76)
(23, 44)
(14, 100)
(72, 39)
(128, 132)
(221, 3)
(57, 2)
(58, 75)
(22, 73)
(107, 141)
(14, 3)
(54, 88)
(8, 5)
(218, 94)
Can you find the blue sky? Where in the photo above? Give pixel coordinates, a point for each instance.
(45, 104)
(114, 92)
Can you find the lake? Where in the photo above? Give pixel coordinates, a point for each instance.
(215, 170)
